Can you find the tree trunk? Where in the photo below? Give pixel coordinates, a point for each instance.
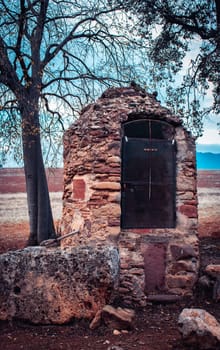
(39, 208)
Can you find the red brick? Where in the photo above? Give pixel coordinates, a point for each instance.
(79, 188)
(189, 210)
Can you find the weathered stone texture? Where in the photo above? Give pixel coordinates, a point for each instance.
(182, 251)
(199, 329)
(92, 146)
(92, 155)
(54, 286)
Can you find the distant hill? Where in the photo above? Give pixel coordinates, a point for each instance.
(208, 161)
(208, 148)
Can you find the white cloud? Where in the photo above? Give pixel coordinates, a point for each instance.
(210, 137)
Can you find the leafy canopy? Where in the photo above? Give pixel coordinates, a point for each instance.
(175, 28)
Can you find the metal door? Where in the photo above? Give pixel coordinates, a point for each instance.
(148, 183)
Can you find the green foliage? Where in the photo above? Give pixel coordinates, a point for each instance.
(173, 29)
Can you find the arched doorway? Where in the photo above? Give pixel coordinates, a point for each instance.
(148, 175)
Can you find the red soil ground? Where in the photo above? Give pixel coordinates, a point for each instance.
(155, 326)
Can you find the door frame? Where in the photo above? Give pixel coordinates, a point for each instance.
(146, 220)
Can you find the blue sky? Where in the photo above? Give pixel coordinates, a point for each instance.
(210, 141)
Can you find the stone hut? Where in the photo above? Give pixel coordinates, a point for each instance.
(130, 181)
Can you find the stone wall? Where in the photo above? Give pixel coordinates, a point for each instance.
(153, 261)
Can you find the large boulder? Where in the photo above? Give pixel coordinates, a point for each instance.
(54, 286)
(199, 329)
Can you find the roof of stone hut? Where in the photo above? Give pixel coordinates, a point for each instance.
(121, 104)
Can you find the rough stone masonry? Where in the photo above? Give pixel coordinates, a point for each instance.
(153, 261)
(109, 260)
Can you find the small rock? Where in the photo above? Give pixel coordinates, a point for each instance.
(199, 328)
(213, 270)
(96, 320)
(118, 318)
(184, 251)
(141, 342)
(115, 347)
(116, 332)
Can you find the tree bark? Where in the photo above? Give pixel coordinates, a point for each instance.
(39, 207)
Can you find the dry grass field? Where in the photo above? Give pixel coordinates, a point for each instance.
(209, 212)
(14, 218)
(13, 207)
(14, 215)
